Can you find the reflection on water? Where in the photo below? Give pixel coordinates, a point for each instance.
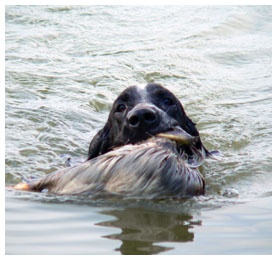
(137, 224)
(141, 229)
(64, 225)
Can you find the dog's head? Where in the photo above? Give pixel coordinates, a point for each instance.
(140, 113)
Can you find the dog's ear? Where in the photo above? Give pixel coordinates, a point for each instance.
(190, 127)
(185, 122)
(100, 142)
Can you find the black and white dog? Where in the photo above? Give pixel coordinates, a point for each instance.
(149, 148)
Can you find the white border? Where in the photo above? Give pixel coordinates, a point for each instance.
(121, 2)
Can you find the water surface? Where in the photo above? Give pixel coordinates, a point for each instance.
(64, 67)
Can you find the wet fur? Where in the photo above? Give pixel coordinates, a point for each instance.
(126, 158)
(116, 131)
(151, 169)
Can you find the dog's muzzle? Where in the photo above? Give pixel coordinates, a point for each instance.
(143, 116)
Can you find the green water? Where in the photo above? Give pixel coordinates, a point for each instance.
(65, 66)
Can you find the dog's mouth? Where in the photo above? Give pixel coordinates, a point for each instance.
(180, 136)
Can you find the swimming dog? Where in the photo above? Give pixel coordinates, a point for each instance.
(148, 147)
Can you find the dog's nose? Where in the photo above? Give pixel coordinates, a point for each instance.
(142, 117)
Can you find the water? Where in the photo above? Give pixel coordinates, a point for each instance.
(64, 67)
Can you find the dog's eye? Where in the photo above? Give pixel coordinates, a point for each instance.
(168, 102)
(120, 108)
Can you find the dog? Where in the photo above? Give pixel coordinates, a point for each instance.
(149, 148)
